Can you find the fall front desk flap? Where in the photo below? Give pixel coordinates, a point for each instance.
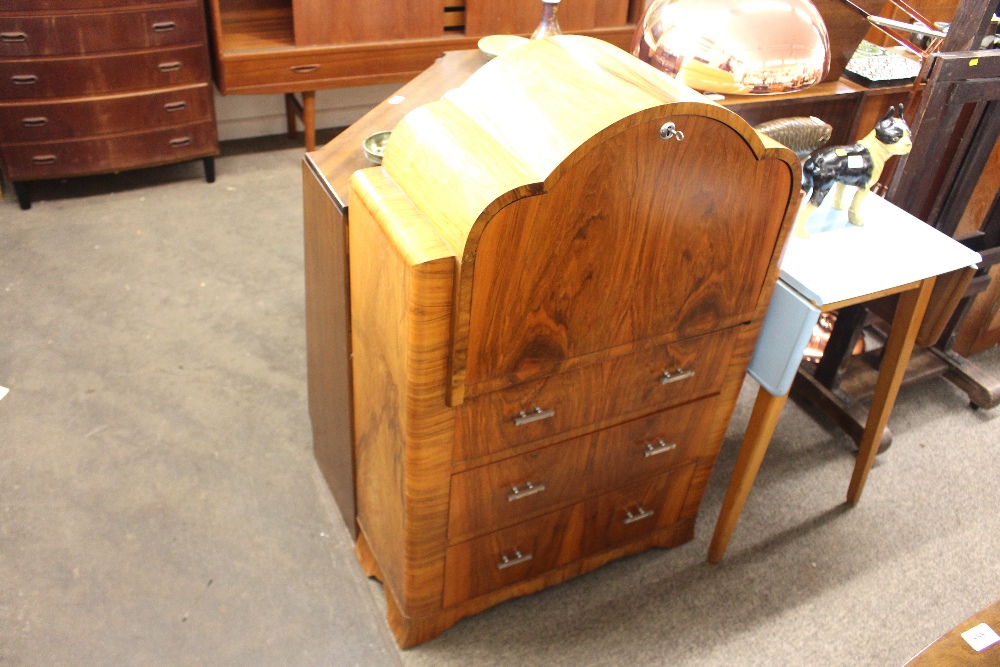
(566, 178)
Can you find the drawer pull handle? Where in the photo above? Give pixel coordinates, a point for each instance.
(638, 516)
(529, 489)
(538, 415)
(660, 447)
(35, 121)
(164, 26)
(175, 106)
(44, 159)
(10, 37)
(677, 375)
(172, 66)
(23, 79)
(180, 141)
(506, 561)
(304, 69)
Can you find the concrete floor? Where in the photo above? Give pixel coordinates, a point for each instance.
(159, 504)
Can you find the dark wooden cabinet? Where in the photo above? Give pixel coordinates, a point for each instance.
(99, 86)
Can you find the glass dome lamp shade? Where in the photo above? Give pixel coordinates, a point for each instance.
(736, 47)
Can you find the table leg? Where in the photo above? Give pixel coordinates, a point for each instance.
(755, 441)
(290, 107)
(309, 119)
(905, 324)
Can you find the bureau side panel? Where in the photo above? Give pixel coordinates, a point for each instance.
(328, 343)
(401, 292)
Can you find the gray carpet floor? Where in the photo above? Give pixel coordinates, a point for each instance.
(159, 504)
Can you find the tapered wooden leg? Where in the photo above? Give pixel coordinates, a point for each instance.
(209, 164)
(23, 192)
(309, 118)
(763, 419)
(905, 324)
(290, 105)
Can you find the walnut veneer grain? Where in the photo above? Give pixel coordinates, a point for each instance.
(505, 205)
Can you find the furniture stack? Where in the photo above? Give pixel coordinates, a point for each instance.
(100, 86)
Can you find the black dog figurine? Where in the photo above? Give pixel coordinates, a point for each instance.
(859, 165)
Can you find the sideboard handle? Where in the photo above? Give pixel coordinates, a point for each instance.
(164, 26)
(529, 489)
(677, 375)
(172, 66)
(538, 415)
(24, 79)
(638, 516)
(175, 106)
(44, 159)
(660, 447)
(13, 37)
(35, 121)
(180, 141)
(506, 561)
(304, 69)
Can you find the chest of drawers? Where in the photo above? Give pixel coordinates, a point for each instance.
(100, 86)
(557, 278)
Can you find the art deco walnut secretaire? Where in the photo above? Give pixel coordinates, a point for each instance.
(557, 277)
(98, 86)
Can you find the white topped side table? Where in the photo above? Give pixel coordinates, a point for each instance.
(840, 265)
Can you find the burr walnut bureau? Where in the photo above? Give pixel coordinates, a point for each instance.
(556, 280)
(99, 86)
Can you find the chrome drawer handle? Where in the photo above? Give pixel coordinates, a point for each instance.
(164, 26)
(538, 415)
(304, 69)
(639, 516)
(10, 37)
(44, 159)
(511, 562)
(529, 489)
(172, 66)
(23, 79)
(35, 121)
(659, 448)
(180, 141)
(676, 376)
(174, 106)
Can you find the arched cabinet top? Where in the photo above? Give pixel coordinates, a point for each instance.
(552, 110)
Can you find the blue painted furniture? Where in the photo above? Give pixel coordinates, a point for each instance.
(840, 265)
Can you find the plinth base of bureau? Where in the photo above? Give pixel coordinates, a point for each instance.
(410, 632)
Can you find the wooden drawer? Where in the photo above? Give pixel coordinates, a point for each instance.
(527, 550)
(305, 69)
(507, 492)
(58, 159)
(95, 75)
(30, 122)
(622, 386)
(75, 5)
(100, 32)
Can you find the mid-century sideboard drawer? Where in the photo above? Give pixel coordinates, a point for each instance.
(515, 554)
(645, 381)
(112, 114)
(44, 78)
(75, 5)
(100, 32)
(56, 159)
(507, 492)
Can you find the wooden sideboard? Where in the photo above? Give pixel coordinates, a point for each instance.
(99, 86)
(542, 371)
(301, 46)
